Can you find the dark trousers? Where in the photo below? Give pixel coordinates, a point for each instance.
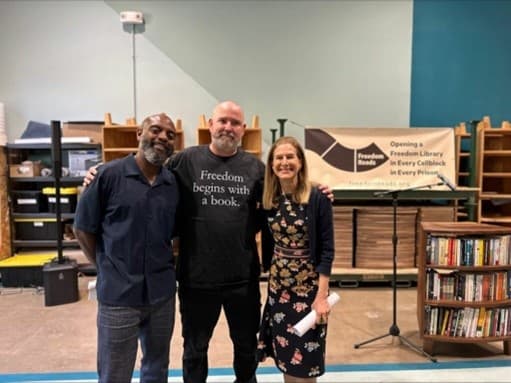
(200, 310)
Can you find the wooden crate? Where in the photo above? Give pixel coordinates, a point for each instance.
(343, 231)
(436, 214)
(374, 247)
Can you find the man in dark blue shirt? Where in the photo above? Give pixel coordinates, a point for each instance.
(124, 223)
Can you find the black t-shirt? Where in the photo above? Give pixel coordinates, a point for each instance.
(218, 217)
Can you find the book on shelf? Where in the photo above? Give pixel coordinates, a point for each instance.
(480, 322)
(445, 320)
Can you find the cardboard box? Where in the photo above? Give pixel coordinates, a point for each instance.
(92, 129)
(25, 169)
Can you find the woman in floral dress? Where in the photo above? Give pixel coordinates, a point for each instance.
(300, 222)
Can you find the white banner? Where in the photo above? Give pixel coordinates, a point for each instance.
(380, 158)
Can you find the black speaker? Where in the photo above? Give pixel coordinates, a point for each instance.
(60, 283)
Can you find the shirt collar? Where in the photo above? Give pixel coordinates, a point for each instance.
(131, 169)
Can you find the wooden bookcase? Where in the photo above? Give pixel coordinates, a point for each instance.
(495, 173)
(463, 145)
(466, 164)
(251, 141)
(463, 284)
(121, 140)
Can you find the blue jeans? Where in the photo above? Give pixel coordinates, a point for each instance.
(120, 328)
(200, 310)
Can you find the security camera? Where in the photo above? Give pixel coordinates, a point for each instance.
(132, 17)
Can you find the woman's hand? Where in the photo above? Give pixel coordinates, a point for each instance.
(322, 308)
(320, 303)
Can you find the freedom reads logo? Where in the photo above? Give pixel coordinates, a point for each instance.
(341, 157)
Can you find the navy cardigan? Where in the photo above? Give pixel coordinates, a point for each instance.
(321, 234)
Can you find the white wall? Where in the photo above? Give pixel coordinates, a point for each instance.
(328, 63)
(71, 60)
(336, 63)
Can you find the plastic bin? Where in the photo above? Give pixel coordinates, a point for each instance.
(34, 229)
(68, 198)
(24, 270)
(28, 201)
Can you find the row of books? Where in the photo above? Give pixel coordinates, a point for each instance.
(468, 251)
(467, 322)
(468, 287)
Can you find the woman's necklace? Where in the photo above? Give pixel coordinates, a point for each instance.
(287, 201)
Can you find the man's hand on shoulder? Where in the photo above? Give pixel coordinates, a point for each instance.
(325, 189)
(91, 174)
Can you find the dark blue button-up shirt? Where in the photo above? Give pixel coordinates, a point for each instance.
(133, 222)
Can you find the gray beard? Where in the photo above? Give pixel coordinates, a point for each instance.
(225, 144)
(152, 156)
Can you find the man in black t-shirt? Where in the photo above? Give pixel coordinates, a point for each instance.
(218, 264)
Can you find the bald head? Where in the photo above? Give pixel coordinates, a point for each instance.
(160, 119)
(156, 138)
(229, 107)
(227, 127)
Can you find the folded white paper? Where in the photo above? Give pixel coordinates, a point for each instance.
(309, 320)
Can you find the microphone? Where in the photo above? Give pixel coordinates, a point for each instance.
(446, 181)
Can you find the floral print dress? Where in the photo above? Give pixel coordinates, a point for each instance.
(292, 287)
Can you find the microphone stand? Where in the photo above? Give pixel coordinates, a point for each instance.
(282, 123)
(394, 328)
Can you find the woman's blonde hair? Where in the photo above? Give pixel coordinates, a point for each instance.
(272, 189)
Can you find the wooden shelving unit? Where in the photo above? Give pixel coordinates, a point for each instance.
(251, 141)
(463, 294)
(466, 164)
(494, 176)
(203, 135)
(5, 227)
(121, 140)
(179, 141)
(463, 147)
